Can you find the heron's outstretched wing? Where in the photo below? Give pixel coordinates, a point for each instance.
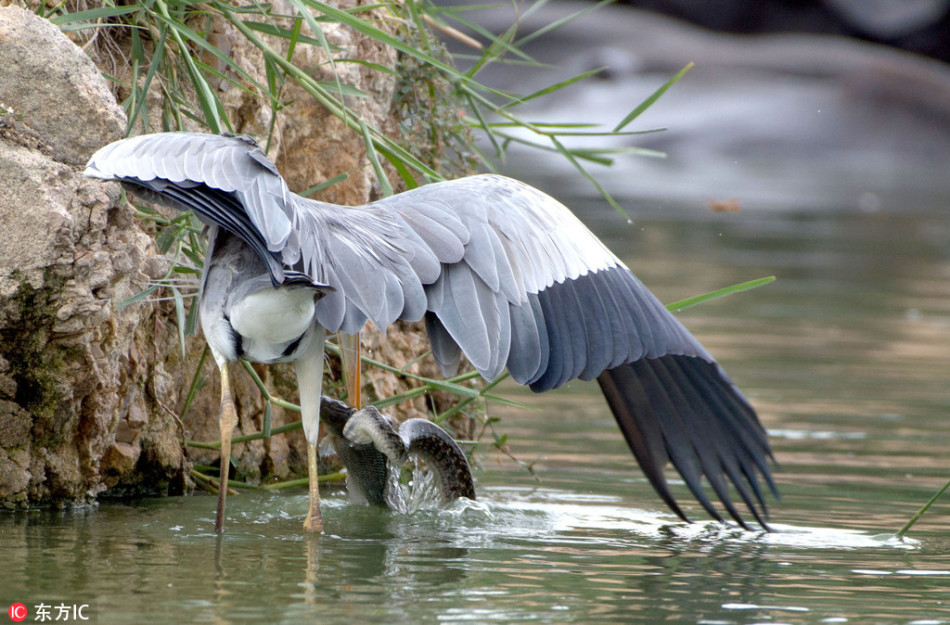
(501, 272)
(226, 180)
(535, 291)
(376, 263)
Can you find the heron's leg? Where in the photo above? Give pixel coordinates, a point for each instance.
(226, 422)
(309, 366)
(314, 521)
(350, 352)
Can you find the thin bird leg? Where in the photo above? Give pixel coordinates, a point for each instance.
(350, 352)
(226, 423)
(309, 368)
(314, 521)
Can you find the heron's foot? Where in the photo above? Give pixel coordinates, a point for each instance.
(369, 427)
(314, 522)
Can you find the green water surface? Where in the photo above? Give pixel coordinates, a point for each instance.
(846, 356)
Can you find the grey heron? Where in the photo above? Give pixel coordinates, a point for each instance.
(498, 270)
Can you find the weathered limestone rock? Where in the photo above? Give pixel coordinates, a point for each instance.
(49, 82)
(68, 256)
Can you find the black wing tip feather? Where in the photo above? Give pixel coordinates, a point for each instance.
(222, 209)
(245, 138)
(300, 279)
(255, 151)
(683, 410)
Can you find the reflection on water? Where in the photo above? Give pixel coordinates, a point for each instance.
(846, 356)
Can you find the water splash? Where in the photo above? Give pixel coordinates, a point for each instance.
(412, 488)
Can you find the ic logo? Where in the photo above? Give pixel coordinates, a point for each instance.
(17, 612)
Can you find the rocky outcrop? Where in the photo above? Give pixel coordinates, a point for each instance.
(92, 393)
(69, 253)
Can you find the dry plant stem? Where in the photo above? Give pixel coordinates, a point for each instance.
(339, 476)
(454, 33)
(203, 482)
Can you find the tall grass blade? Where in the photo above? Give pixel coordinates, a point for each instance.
(913, 521)
(381, 177)
(636, 112)
(556, 87)
(65, 20)
(572, 159)
(689, 302)
(325, 184)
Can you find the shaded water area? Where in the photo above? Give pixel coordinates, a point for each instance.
(846, 356)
